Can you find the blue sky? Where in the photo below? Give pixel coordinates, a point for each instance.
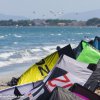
(46, 8)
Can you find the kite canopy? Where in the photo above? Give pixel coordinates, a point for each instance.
(96, 43)
(41, 69)
(66, 72)
(83, 92)
(60, 93)
(94, 80)
(86, 53)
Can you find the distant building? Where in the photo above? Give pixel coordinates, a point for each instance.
(39, 22)
(61, 24)
(75, 23)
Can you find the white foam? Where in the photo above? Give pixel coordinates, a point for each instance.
(52, 48)
(79, 33)
(36, 50)
(18, 36)
(6, 55)
(51, 34)
(1, 37)
(49, 49)
(23, 56)
(15, 43)
(24, 59)
(88, 33)
(59, 34)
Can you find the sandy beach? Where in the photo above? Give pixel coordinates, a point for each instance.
(3, 83)
(15, 70)
(6, 77)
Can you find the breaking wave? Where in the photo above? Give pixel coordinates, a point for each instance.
(18, 36)
(8, 58)
(1, 37)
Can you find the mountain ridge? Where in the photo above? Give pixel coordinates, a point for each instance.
(8, 17)
(84, 16)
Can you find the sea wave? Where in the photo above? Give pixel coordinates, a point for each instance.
(8, 58)
(87, 33)
(59, 34)
(17, 61)
(79, 33)
(51, 34)
(14, 57)
(15, 42)
(18, 36)
(6, 54)
(1, 37)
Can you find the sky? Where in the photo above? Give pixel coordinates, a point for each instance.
(46, 8)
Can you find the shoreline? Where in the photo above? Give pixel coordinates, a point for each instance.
(14, 70)
(6, 77)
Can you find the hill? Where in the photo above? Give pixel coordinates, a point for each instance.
(84, 16)
(7, 17)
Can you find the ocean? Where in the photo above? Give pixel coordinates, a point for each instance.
(20, 47)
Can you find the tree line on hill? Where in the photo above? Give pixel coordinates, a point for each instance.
(51, 22)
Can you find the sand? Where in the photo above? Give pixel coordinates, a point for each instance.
(3, 83)
(6, 77)
(6, 73)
